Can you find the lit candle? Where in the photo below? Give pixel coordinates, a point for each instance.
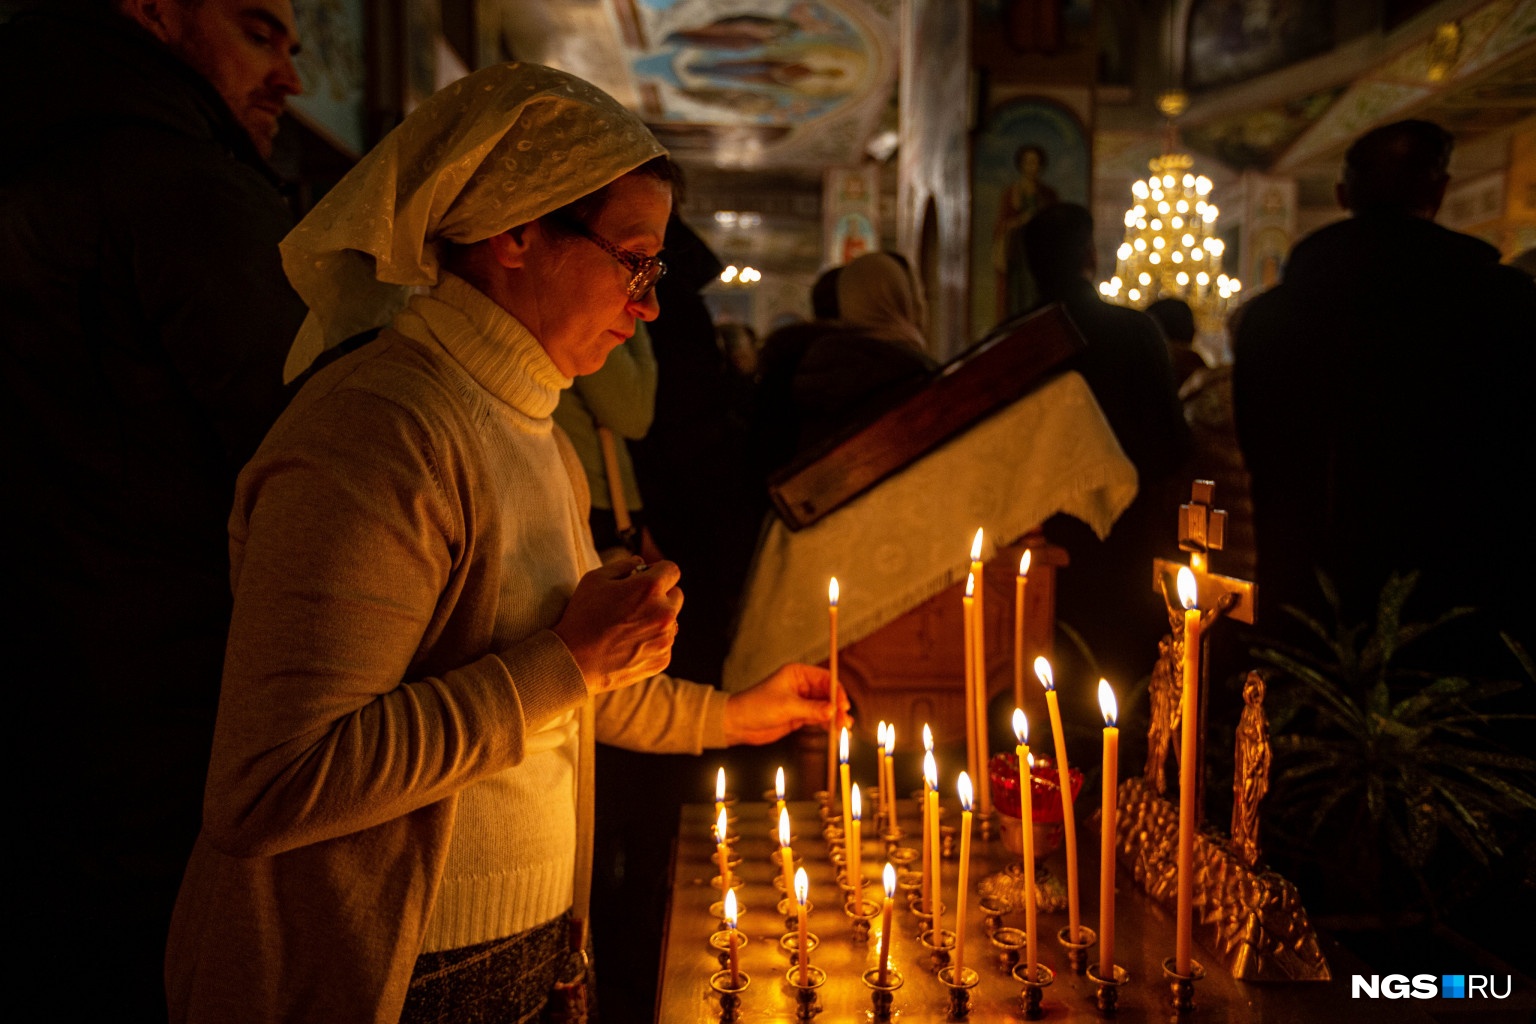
(961, 895)
(855, 879)
(1107, 833)
(889, 877)
(832, 594)
(842, 762)
(786, 855)
(778, 790)
(1064, 777)
(979, 638)
(927, 825)
(1019, 582)
(802, 896)
(968, 603)
(720, 853)
(1184, 937)
(931, 774)
(730, 927)
(890, 774)
(1027, 814)
(720, 791)
(881, 789)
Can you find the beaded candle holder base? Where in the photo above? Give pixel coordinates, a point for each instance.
(806, 1006)
(938, 947)
(1077, 952)
(789, 909)
(861, 915)
(959, 985)
(720, 942)
(1008, 941)
(1034, 988)
(730, 993)
(882, 995)
(789, 942)
(1181, 987)
(1107, 990)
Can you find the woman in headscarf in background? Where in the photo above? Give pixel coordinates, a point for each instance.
(823, 380)
(424, 646)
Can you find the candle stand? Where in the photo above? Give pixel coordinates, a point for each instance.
(959, 990)
(1077, 952)
(938, 947)
(729, 993)
(1182, 986)
(993, 908)
(1107, 993)
(806, 1006)
(882, 996)
(986, 826)
(923, 913)
(790, 943)
(720, 942)
(1034, 988)
(790, 911)
(1008, 942)
(861, 916)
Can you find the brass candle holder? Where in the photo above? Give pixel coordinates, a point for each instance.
(1008, 941)
(729, 993)
(717, 908)
(938, 944)
(911, 883)
(861, 916)
(882, 996)
(1181, 987)
(720, 942)
(986, 825)
(1034, 988)
(1107, 990)
(1077, 952)
(923, 912)
(790, 943)
(806, 1005)
(789, 909)
(959, 986)
(993, 908)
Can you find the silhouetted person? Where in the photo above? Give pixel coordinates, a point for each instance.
(1384, 400)
(1177, 322)
(144, 319)
(1105, 593)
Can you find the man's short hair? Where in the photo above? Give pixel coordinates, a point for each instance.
(1175, 318)
(1058, 242)
(1398, 167)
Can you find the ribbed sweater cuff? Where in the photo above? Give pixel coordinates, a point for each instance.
(549, 682)
(714, 719)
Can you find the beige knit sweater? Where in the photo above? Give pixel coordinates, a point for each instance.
(375, 673)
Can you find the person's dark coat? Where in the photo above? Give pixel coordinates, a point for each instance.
(144, 319)
(1384, 404)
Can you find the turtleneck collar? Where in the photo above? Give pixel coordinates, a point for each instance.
(488, 342)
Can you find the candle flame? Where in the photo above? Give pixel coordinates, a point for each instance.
(880, 734)
(842, 746)
(1189, 593)
(927, 738)
(730, 908)
(778, 783)
(802, 887)
(720, 786)
(832, 592)
(1021, 726)
(1031, 756)
(976, 546)
(720, 827)
(1024, 563)
(1044, 674)
(963, 784)
(1107, 702)
(890, 739)
(931, 770)
(855, 805)
(889, 877)
(784, 827)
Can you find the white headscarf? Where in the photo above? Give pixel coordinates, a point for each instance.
(499, 148)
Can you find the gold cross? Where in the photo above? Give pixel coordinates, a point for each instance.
(1202, 529)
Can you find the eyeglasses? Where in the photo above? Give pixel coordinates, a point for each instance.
(646, 270)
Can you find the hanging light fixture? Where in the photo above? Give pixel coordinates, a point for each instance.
(1170, 248)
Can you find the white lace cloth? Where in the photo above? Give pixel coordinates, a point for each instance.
(910, 537)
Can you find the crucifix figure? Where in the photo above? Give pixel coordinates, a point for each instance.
(1203, 529)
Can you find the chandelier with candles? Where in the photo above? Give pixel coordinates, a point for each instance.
(1170, 248)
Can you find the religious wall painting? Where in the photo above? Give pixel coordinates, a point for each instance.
(1055, 38)
(1233, 40)
(1033, 152)
(1257, 138)
(332, 68)
(809, 67)
(851, 211)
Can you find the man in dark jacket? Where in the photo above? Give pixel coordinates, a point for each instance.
(144, 320)
(1384, 400)
(1105, 594)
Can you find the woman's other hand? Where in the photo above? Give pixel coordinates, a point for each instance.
(620, 622)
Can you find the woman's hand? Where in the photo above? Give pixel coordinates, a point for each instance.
(620, 622)
(794, 696)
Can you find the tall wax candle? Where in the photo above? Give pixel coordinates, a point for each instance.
(1019, 583)
(968, 605)
(961, 893)
(855, 866)
(721, 855)
(1027, 824)
(894, 819)
(719, 790)
(882, 793)
(1184, 934)
(802, 897)
(1064, 776)
(778, 792)
(931, 774)
(832, 722)
(1107, 813)
(786, 855)
(888, 876)
(730, 924)
(842, 770)
(979, 638)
